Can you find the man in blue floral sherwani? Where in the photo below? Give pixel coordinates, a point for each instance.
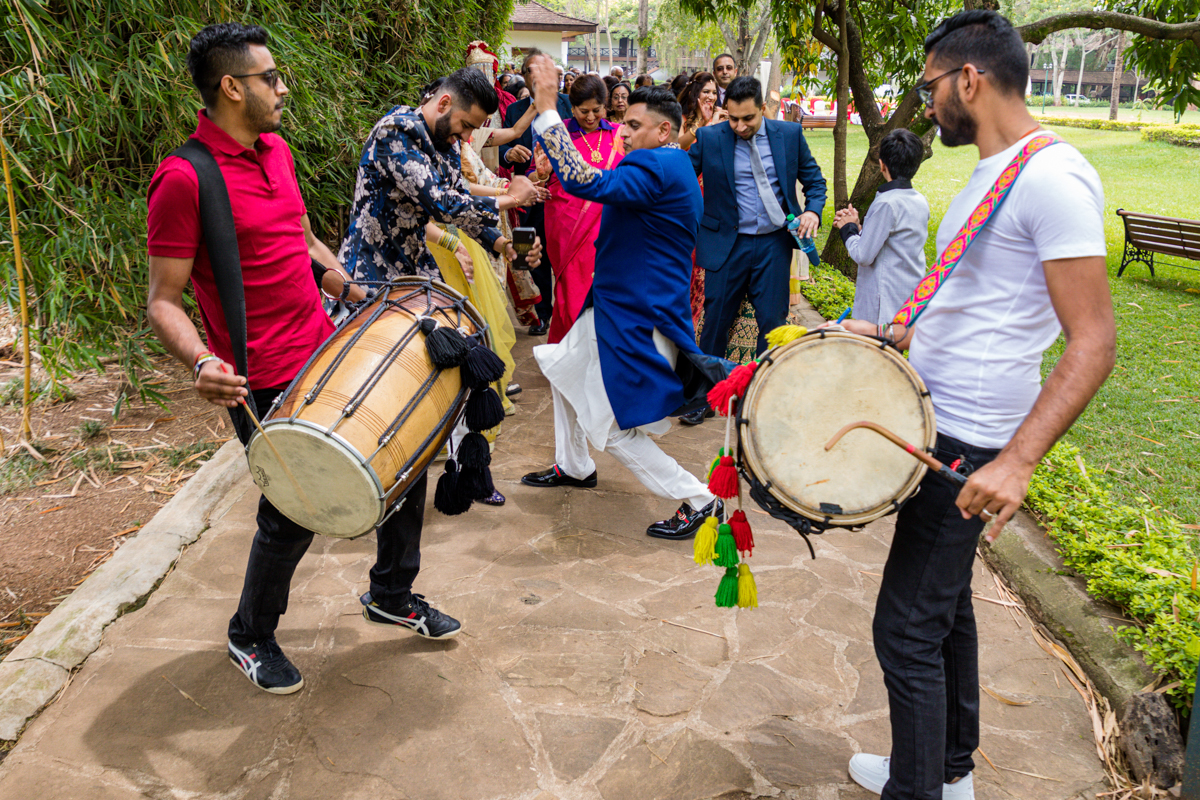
(410, 174)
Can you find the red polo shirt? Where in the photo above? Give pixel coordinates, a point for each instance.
(284, 319)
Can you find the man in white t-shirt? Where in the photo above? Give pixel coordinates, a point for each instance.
(1038, 268)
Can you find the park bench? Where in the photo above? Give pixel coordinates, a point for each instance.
(1147, 234)
(818, 121)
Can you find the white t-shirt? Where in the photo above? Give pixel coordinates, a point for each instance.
(979, 344)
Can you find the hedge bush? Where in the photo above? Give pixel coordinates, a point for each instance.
(1137, 557)
(95, 92)
(829, 291)
(1110, 124)
(1176, 135)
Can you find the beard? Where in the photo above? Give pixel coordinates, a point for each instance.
(260, 114)
(441, 134)
(957, 124)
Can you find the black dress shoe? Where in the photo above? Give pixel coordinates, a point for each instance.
(539, 328)
(698, 416)
(686, 521)
(554, 476)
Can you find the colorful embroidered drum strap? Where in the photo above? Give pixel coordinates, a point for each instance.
(978, 220)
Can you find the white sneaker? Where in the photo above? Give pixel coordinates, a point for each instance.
(872, 772)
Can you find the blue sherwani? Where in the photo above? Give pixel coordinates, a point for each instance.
(740, 264)
(652, 208)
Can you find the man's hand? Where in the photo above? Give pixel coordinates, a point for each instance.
(809, 222)
(464, 261)
(518, 154)
(522, 190)
(542, 162)
(218, 384)
(533, 258)
(845, 216)
(995, 492)
(861, 327)
(545, 83)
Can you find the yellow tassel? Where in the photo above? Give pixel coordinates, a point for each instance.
(747, 589)
(784, 334)
(705, 545)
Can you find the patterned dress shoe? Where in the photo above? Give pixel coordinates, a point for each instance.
(685, 523)
(556, 477)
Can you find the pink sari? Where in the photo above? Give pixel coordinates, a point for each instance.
(572, 225)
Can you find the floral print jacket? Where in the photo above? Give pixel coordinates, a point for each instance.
(403, 182)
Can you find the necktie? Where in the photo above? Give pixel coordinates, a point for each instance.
(774, 212)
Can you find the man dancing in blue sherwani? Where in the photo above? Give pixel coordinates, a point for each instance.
(630, 361)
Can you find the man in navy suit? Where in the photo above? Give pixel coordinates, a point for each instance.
(518, 156)
(750, 169)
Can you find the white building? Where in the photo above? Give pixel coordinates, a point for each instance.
(534, 26)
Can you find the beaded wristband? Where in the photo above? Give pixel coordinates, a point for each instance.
(204, 359)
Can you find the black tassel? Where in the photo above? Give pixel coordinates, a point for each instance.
(447, 347)
(473, 452)
(484, 409)
(476, 483)
(427, 324)
(481, 367)
(449, 497)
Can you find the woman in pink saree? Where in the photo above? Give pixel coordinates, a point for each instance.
(572, 224)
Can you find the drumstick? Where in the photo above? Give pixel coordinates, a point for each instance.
(295, 483)
(921, 455)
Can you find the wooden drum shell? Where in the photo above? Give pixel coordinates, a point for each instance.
(347, 478)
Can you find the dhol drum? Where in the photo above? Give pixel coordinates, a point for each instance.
(366, 415)
(801, 395)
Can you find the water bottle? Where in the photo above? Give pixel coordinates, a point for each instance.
(806, 244)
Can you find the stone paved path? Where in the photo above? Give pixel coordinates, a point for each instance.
(592, 665)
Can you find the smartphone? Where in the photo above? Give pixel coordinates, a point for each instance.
(522, 241)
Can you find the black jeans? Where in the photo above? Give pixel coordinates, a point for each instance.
(280, 543)
(925, 635)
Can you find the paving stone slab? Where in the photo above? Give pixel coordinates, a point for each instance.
(592, 665)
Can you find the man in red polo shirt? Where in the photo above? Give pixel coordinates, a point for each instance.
(244, 95)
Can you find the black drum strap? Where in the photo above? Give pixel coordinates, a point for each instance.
(220, 238)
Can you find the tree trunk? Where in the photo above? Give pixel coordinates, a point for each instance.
(835, 253)
(1060, 71)
(608, 34)
(1118, 71)
(1082, 62)
(774, 88)
(643, 34)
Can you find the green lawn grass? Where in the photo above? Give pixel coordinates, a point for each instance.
(1159, 116)
(1143, 428)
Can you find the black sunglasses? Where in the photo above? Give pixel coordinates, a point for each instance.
(926, 94)
(271, 77)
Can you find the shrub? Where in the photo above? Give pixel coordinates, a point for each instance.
(1177, 135)
(1137, 557)
(95, 94)
(829, 291)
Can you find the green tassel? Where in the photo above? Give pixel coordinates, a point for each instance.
(713, 465)
(704, 546)
(727, 592)
(726, 551)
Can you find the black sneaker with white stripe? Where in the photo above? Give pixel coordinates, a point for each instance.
(416, 615)
(267, 667)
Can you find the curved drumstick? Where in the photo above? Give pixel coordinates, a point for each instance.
(291, 478)
(921, 455)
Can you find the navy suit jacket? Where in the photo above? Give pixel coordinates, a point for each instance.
(513, 113)
(712, 157)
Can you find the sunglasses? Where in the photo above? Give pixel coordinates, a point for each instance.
(926, 93)
(271, 77)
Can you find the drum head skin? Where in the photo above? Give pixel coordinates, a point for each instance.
(810, 390)
(367, 416)
(343, 498)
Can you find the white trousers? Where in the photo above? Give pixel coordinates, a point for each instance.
(636, 451)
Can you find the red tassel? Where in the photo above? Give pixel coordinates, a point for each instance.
(724, 480)
(735, 384)
(741, 532)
